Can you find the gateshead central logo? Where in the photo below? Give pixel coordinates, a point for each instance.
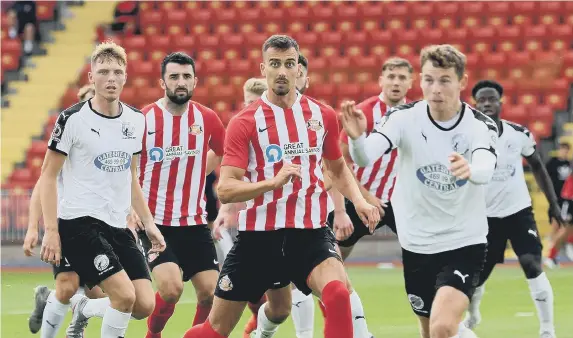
(438, 177)
(113, 161)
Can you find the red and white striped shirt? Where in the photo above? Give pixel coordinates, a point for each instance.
(173, 162)
(264, 136)
(380, 177)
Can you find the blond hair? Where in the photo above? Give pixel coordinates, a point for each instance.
(109, 50)
(84, 91)
(396, 62)
(444, 56)
(255, 86)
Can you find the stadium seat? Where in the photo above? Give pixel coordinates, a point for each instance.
(370, 10)
(355, 38)
(517, 113)
(447, 10)
(45, 10)
(540, 129)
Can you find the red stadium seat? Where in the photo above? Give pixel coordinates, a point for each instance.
(473, 8)
(511, 33)
(496, 21)
(398, 10)
(339, 77)
(498, 8)
(421, 24)
(371, 10)
(518, 114)
(349, 91)
(223, 92)
(307, 39)
(199, 16)
(535, 32)
(347, 12)
(255, 40)
(128, 95)
(363, 77)
(249, 14)
(226, 15)
(540, 129)
(556, 101)
(447, 10)
(330, 37)
(323, 91)
(45, 10)
(322, 13)
(371, 89)
(522, 20)
(446, 23)
(272, 28)
(549, 19)
(355, 37)
(379, 51)
(215, 67)
(526, 8)
(541, 112)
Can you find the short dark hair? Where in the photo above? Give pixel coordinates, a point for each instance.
(487, 84)
(179, 58)
(303, 61)
(280, 42)
(444, 56)
(396, 62)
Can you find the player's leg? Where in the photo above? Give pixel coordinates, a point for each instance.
(77, 327)
(315, 266)
(94, 293)
(168, 280)
(241, 281)
(302, 313)
(496, 244)
(198, 258)
(274, 312)
(87, 243)
(58, 301)
(455, 284)
(527, 246)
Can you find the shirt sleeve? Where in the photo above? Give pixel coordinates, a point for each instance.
(217, 137)
(63, 135)
(390, 126)
(331, 146)
(236, 145)
(141, 127)
(485, 136)
(528, 143)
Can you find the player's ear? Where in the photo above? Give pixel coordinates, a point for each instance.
(263, 72)
(162, 84)
(464, 81)
(195, 82)
(91, 77)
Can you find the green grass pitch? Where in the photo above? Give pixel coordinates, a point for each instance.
(507, 308)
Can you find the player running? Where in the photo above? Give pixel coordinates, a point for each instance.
(102, 137)
(67, 282)
(277, 145)
(509, 212)
(179, 134)
(377, 180)
(446, 154)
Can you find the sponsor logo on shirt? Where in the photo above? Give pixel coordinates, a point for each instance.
(275, 153)
(504, 173)
(113, 161)
(438, 177)
(157, 154)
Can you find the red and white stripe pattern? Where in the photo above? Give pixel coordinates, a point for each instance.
(174, 184)
(302, 204)
(380, 177)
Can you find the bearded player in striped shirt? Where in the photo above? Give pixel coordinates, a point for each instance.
(178, 137)
(273, 156)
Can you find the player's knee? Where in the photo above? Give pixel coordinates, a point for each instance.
(335, 292)
(442, 328)
(123, 299)
(205, 298)
(531, 265)
(278, 313)
(171, 292)
(143, 307)
(66, 287)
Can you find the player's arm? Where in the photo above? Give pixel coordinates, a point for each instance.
(139, 204)
(213, 161)
(365, 150)
(541, 175)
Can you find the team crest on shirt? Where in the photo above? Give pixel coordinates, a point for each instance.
(314, 125)
(416, 302)
(460, 144)
(225, 283)
(101, 262)
(57, 132)
(195, 129)
(439, 178)
(128, 130)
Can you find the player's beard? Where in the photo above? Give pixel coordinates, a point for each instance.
(302, 89)
(179, 99)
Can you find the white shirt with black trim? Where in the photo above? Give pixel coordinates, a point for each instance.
(96, 174)
(507, 192)
(435, 211)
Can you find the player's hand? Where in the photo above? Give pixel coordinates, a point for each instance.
(352, 119)
(134, 222)
(224, 220)
(51, 251)
(555, 211)
(375, 201)
(30, 241)
(368, 213)
(156, 238)
(343, 227)
(459, 166)
(289, 172)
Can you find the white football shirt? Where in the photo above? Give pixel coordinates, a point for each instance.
(507, 191)
(435, 211)
(99, 149)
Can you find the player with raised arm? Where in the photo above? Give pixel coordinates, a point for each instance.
(180, 137)
(446, 155)
(509, 211)
(273, 155)
(67, 282)
(377, 180)
(94, 144)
